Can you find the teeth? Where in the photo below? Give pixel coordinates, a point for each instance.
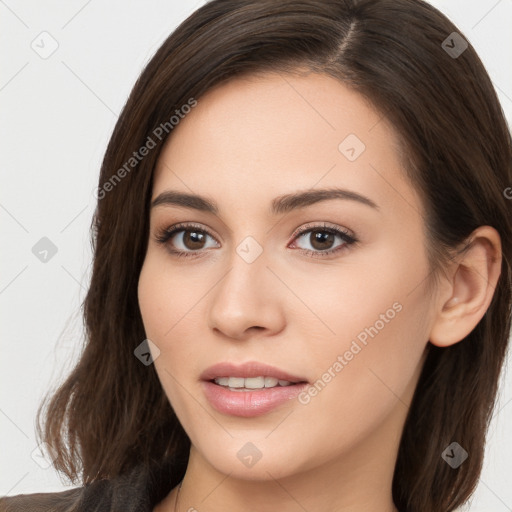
(254, 382)
(270, 382)
(251, 382)
(236, 382)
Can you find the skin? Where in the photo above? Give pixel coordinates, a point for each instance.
(245, 143)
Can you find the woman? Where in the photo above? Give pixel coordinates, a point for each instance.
(301, 293)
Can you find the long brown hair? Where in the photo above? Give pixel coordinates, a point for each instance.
(111, 413)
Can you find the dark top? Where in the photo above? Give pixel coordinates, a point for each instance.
(139, 490)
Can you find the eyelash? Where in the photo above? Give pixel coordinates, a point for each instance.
(165, 234)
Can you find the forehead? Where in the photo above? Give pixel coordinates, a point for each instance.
(266, 134)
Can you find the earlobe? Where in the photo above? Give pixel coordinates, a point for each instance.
(470, 291)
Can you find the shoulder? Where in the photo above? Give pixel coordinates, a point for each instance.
(95, 497)
(64, 501)
(100, 496)
(140, 489)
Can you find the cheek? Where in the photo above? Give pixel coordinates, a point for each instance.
(161, 298)
(371, 325)
(163, 313)
(170, 310)
(369, 371)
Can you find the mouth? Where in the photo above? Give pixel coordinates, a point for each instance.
(249, 375)
(253, 383)
(250, 389)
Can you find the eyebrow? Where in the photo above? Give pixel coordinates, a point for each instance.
(279, 205)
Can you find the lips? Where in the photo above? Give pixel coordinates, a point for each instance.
(246, 402)
(248, 370)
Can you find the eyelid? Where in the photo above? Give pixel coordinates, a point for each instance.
(165, 233)
(319, 225)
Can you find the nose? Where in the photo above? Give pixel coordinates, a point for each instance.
(246, 300)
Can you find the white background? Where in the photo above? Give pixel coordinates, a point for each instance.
(57, 115)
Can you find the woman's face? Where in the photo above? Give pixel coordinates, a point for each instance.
(351, 319)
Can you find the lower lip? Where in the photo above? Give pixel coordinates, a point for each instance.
(249, 403)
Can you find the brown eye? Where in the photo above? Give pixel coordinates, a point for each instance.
(193, 240)
(184, 240)
(321, 240)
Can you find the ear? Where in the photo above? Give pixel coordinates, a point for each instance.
(465, 296)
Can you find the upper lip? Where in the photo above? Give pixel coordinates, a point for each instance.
(248, 369)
